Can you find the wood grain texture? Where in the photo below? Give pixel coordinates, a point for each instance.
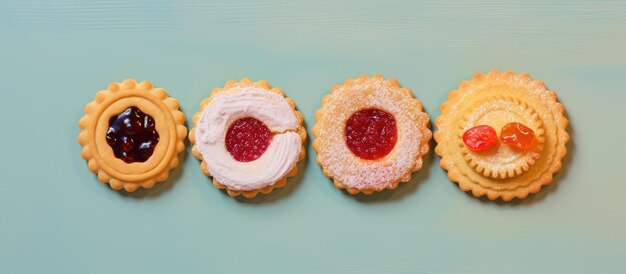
(595, 26)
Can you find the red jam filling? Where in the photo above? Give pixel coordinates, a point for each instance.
(480, 138)
(518, 136)
(247, 139)
(371, 133)
(132, 135)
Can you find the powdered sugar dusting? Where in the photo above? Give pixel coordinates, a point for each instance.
(341, 164)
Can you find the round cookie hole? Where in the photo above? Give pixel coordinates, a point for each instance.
(132, 135)
(371, 134)
(247, 139)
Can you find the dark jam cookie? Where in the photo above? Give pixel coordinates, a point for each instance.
(134, 160)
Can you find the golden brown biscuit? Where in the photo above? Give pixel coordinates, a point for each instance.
(131, 135)
(370, 134)
(503, 171)
(248, 137)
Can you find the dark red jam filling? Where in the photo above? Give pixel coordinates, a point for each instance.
(132, 135)
(247, 139)
(371, 133)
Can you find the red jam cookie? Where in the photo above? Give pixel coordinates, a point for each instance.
(249, 138)
(370, 134)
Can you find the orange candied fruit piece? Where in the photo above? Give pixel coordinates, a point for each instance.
(518, 136)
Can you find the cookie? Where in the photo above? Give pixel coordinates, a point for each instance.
(501, 135)
(131, 135)
(370, 134)
(248, 137)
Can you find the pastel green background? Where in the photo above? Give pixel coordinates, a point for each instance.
(57, 218)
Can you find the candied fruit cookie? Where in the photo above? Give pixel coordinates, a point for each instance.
(532, 129)
(370, 134)
(249, 137)
(131, 135)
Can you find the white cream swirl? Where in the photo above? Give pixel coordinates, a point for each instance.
(268, 107)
